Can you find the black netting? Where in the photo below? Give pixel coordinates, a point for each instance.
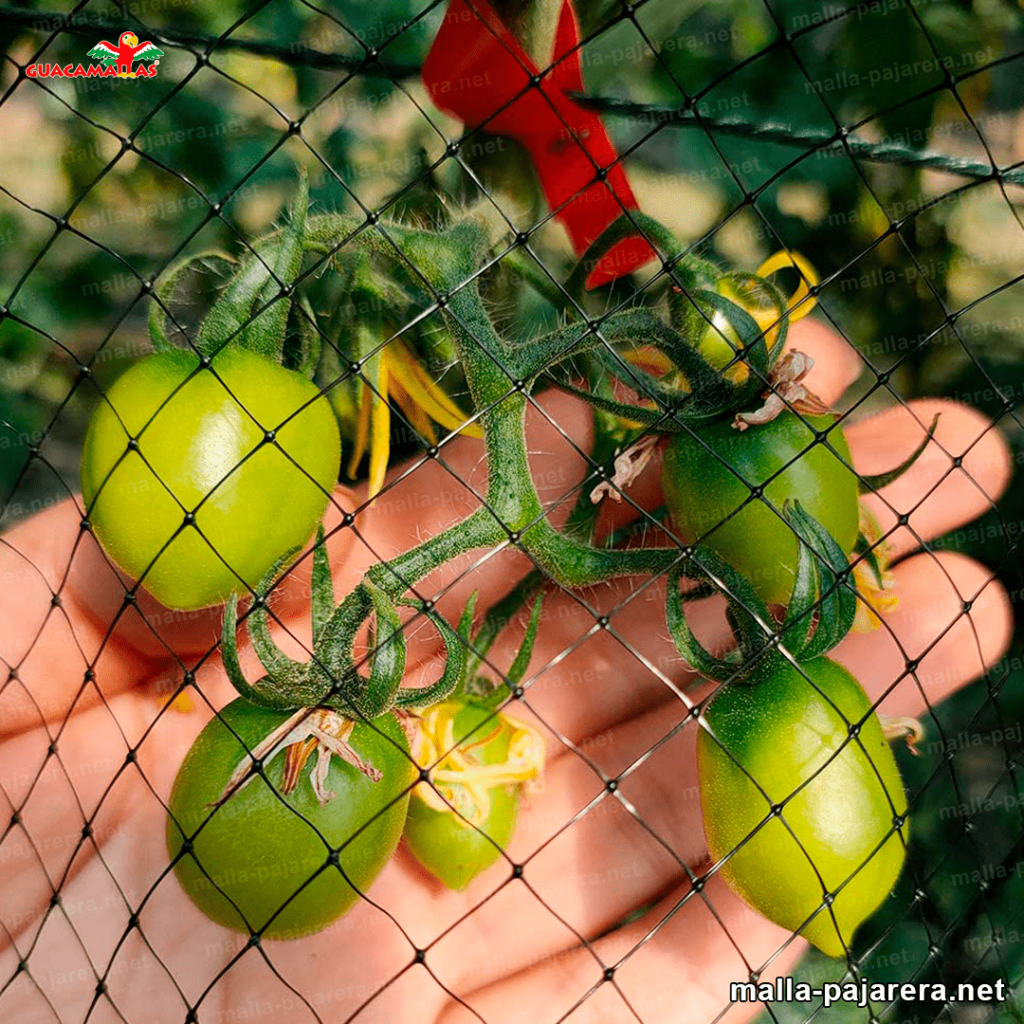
(865, 155)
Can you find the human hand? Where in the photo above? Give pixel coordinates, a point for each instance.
(99, 752)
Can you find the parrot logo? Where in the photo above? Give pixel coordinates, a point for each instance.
(126, 53)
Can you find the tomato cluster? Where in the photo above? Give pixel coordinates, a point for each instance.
(207, 469)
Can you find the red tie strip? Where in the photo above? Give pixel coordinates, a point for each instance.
(568, 143)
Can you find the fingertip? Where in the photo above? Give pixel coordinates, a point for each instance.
(959, 476)
(953, 621)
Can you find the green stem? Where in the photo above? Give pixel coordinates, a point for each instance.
(498, 374)
(478, 530)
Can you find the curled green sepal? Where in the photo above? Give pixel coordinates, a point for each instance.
(492, 695)
(629, 224)
(753, 348)
(824, 602)
(454, 672)
(308, 339)
(875, 482)
(321, 588)
(264, 693)
(163, 293)
(253, 311)
(272, 690)
(522, 659)
(329, 678)
(287, 683)
(387, 659)
(747, 613)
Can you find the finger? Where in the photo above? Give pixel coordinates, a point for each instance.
(588, 854)
(952, 622)
(72, 638)
(173, 956)
(705, 942)
(71, 790)
(963, 470)
(49, 636)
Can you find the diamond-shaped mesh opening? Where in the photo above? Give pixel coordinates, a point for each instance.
(664, 848)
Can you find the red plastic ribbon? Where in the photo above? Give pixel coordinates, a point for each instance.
(478, 72)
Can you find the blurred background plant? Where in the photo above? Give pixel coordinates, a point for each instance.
(922, 269)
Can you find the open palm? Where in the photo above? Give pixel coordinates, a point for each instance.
(93, 924)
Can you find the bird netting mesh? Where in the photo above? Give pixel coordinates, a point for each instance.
(582, 667)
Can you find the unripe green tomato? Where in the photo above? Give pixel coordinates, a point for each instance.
(263, 849)
(785, 740)
(203, 449)
(708, 480)
(456, 845)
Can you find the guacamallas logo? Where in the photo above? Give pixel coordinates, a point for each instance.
(125, 60)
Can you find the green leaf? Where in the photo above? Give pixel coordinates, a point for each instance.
(875, 482)
(310, 341)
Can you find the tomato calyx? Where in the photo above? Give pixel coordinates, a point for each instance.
(330, 678)
(256, 306)
(726, 332)
(308, 731)
(820, 613)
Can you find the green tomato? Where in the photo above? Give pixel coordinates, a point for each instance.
(203, 450)
(708, 479)
(784, 740)
(462, 819)
(263, 859)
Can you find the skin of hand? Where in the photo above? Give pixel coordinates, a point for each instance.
(89, 750)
